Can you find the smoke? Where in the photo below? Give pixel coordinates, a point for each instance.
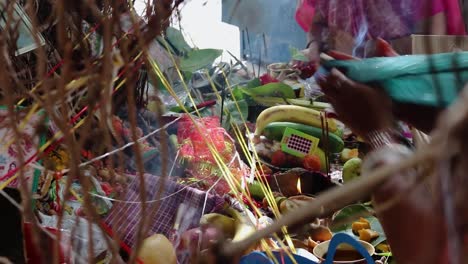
(369, 19)
(387, 19)
(363, 29)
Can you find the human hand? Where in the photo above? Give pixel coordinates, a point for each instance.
(309, 66)
(313, 51)
(362, 108)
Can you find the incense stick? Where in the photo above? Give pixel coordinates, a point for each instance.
(327, 151)
(250, 51)
(324, 145)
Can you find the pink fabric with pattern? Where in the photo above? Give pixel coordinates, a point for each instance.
(400, 14)
(305, 14)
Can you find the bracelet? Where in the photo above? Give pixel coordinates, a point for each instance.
(310, 43)
(381, 138)
(389, 154)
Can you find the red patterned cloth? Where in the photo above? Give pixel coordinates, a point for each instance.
(125, 217)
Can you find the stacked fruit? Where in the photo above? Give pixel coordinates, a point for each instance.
(272, 124)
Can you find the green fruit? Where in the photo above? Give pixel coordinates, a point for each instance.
(352, 169)
(275, 131)
(348, 154)
(321, 155)
(255, 190)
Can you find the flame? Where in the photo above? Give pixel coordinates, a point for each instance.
(299, 189)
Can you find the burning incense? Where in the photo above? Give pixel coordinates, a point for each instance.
(327, 148)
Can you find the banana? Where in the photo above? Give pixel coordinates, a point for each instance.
(291, 113)
(275, 130)
(244, 227)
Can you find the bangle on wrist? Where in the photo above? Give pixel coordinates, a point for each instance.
(387, 155)
(310, 43)
(381, 138)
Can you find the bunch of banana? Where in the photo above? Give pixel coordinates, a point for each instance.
(294, 114)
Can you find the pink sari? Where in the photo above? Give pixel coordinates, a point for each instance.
(305, 14)
(400, 14)
(454, 19)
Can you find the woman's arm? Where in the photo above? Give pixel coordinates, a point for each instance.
(434, 25)
(432, 18)
(316, 37)
(410, 215)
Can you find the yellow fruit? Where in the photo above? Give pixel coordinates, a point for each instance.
(226, 224)
(157, 249)
(244, 227)
(357, 226)
(347, 154)
(367, 235)
(321, 233)
(383, 247)
(291, 113)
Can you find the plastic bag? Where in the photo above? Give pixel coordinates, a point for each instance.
(194, 137)
(194, 140)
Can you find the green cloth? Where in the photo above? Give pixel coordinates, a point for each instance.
(432, 80)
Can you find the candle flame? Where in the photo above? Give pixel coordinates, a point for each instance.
(299, 189)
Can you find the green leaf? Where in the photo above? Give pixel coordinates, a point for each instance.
(377, 227)
(177, 40)
(198, 59)
(297, 55)
(164, 43)
(254, 83)
(187, 76)
(351, 211)
(347, 213)
(237, 93)
(232, 115)
(272, 90)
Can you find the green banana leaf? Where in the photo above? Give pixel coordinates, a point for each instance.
(199, 59)
(232, 115)
(351, 211)
(177, 40)
(254, 83)
(432, 80)
(237, 93)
